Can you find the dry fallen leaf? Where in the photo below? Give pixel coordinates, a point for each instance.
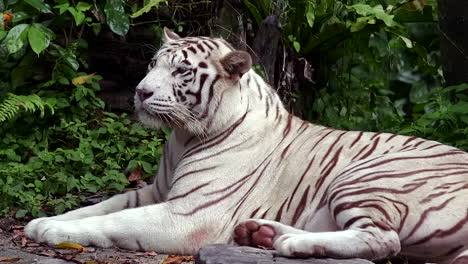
(69, 245)
(150, 253)
(19, 233)
(24, 241)
(33, 244)
(7, 259)
(47, 253)
(66, 257)
(173, 259)
(82, 79)
(135, 175)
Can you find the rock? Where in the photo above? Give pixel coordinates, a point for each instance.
(51, 261)
(227, 254)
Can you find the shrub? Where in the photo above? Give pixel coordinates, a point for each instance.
(57, 141)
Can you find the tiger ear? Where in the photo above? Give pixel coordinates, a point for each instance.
(169, 36)
(236, 63)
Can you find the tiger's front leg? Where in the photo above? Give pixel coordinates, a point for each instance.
(155, 227)
(141, 197)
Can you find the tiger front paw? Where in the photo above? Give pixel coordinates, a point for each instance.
(31, 230)
(53, 232)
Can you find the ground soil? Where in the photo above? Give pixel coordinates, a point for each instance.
(16, 248)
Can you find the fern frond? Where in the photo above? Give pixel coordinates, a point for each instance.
(10, 107)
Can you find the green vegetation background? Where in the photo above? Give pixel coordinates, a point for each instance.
(377, 68)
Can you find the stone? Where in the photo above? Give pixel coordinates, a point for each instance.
(227, 254)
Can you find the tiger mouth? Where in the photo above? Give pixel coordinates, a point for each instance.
(164, 117)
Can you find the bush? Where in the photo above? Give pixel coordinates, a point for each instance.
(376, 66)
(57, 141)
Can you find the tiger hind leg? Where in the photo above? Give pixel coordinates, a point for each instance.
(261, 233)
(370, 242)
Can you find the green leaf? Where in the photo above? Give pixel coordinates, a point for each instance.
(19, 16)
(297, 46)
(363, 10)
(62, 8)
(377, 11)
(96, 28)
(460, 108)
(20, 213)
(147, 167)
(255, 13)
(386, 18)
(361, 22)
(457, 88)
(49, 34)
(39, 5)
(77, 15)
(68, 56)
(310, 12)
(117, 20)
(16, 38)
(37, 39)
(82, 6)
(408, 42)
(72, 183)
(147, 8)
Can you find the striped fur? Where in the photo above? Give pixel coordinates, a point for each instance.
(238, 161)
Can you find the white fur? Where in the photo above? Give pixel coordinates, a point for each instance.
(246, 158)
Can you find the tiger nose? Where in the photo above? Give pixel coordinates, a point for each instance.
(144, 94)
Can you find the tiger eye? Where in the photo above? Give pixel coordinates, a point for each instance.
(182, 70)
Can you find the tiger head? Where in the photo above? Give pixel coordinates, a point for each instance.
(185, 80)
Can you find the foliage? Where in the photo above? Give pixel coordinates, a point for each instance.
(13, 103)
(376, 66)
(147, 7)
(442, 114)
(57, 141)
(40, 168)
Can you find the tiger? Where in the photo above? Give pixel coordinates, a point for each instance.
(240, 169)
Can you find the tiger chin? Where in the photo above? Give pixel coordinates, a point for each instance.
(238, 168)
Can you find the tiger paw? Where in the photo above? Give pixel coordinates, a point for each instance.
(31, 230)
(252, 233)
(54, 232)
(299, 245)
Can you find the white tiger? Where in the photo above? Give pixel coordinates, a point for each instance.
(239, 163)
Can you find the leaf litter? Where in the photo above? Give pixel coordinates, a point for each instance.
(70, 251)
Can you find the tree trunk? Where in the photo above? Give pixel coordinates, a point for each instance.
(453, 21)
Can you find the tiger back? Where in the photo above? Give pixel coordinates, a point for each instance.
(239, 168)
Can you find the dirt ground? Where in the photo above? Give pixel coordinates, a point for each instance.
(16, 248)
